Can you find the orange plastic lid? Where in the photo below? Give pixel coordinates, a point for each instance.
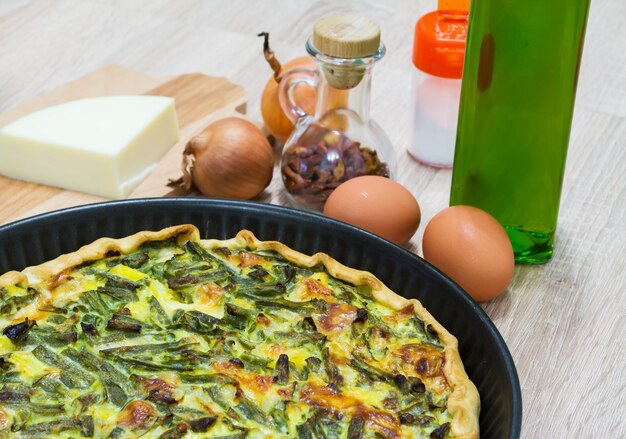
(439, 44)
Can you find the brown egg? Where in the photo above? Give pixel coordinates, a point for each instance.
(377, 204)
(471, 247)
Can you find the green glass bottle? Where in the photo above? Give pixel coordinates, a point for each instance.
(517, 100)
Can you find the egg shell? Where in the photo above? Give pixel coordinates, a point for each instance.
(471, 247)
(376, 204)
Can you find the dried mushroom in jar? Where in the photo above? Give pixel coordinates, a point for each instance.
(321, 161)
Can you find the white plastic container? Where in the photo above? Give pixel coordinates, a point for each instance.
(438, 51)
(435, 114)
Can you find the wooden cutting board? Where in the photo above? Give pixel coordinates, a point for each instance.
(200, 99)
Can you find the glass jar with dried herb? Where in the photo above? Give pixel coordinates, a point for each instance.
(339, 141)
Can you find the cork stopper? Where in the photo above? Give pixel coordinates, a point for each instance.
(347, 37)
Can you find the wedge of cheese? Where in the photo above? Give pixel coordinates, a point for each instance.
(103, 146)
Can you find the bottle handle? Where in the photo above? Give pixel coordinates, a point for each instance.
(287, 88)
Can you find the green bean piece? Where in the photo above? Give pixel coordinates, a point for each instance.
(236, 316)
(313, 364)
(92, 302)
(254, 362)
(85, 401)
(133, 260)
(269, 290)
(116, 433)
(178, 431)
(202, 425)
(86, 426)
(355, 429)
(240, 435)
(44, 429)
(107, 371)
(278, 413)
(47, 409)
(258, 272)
(150, 365)
(323, 424)
(304, 431)
(216, 394)
(90, 332)
(283, 273)
(158, 314)
(196, 321)
(295, 339)
(249, 410)
(121, 322)
(209, 378)
(426, 332)
(21, 415)
(281, 370)
(11, 304)
(316, 306)
(334, 375)
(10, 397)
(411, 414)
(117, 337)
(150, 349)
(197, 278)
(372, 372)
(120, 295)
(50, 383)
(72, 375)
(197, 250)
(51, 337)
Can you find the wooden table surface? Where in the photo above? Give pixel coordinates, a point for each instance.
(564, 321)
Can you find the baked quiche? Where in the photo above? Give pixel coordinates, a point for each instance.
(164, 335)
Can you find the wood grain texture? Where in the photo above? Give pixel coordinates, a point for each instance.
(564, 322)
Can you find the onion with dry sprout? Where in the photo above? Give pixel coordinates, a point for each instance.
(277, 123)
(230, 158)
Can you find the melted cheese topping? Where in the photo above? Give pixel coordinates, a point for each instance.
(28, 365)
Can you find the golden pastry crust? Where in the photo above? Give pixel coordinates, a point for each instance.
(463, 403)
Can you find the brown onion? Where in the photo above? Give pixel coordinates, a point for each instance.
(273, 115)
(230, 158)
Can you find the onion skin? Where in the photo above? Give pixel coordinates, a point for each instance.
(231, 158)
(277, 123)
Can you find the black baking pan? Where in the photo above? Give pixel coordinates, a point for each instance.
(486, 357)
